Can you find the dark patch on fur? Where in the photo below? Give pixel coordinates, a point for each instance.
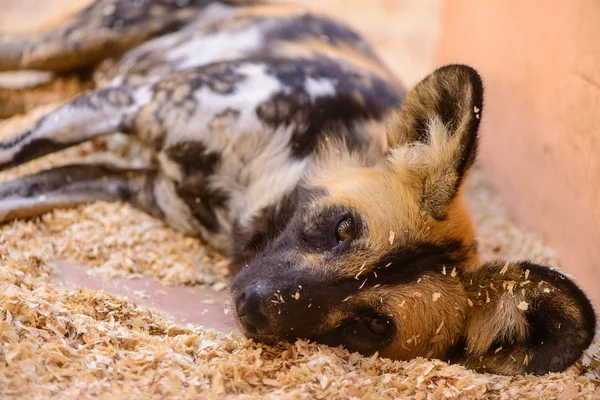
(337, 114)
(353, 335)
(262, 229)
(32, 150)
(268, 225)
(557, 340)
(194, 189)
(414, 261)
(7, 144)
(275, 271)
(103, 182)
(193, 157)
(456, 353)
(317, 233)
(319, 27)
(56, 178)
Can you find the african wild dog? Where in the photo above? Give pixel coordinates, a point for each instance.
(283, 141)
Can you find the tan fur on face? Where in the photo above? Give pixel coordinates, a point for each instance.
(458, 226)
(408, 194)
(389, 202)
(429, 316)
(412, 194)
(385, 204)
(365, 182)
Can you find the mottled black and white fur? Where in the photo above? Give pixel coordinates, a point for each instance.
(233, 102)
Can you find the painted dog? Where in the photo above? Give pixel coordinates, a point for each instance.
(282, 140)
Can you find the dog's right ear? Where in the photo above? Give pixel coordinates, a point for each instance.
(433, 138)
(524, 318)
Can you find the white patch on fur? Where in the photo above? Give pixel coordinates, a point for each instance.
(269, 176)
(142, 95)
(257, 88)
(163, 45)
(220, 46)
(320, 87)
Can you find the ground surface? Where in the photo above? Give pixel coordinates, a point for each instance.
(62, 337)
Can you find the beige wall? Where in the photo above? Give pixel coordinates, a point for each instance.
(540, 61)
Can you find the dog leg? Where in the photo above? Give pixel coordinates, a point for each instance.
(105, 29)
(85, 117)
(72, 185)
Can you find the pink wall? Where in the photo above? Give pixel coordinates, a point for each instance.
(540, 61)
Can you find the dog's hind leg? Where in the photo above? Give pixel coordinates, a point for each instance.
(71, 185)
(87, 116)
(104, 29)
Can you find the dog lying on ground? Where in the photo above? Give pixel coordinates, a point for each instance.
(282, 140)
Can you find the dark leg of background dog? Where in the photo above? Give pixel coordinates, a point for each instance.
(72, 185)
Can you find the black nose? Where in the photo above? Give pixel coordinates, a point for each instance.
(250, 310)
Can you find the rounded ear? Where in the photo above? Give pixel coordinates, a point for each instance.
(525, 318)
(433, 138)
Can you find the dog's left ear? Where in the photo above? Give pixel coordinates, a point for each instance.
(524, 318)
(433, 138)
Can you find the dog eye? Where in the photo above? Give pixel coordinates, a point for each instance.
(377, 326)
(344, 229)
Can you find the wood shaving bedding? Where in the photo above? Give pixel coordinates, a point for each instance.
(114, 240)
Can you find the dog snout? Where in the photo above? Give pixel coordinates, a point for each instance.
(251, 310)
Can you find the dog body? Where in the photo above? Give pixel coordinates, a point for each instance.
(282, 140)
(234, 104)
